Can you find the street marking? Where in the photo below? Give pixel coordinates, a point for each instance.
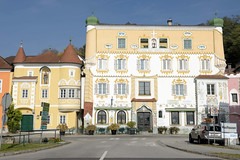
(103, 156)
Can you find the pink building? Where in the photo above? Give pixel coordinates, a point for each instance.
(234, 104)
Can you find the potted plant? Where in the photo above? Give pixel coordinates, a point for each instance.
(131, 125)
(90, 129)
(174, 130)
(63, 127)
(114, 127)
(162, 130)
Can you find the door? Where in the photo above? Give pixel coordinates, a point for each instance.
(27, 123)
(143, 121)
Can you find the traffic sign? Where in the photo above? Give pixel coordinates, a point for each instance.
(214, 111)
(6, 101)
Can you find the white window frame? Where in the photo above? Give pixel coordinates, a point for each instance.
(179, 89)
(71, 93)
(30, 73)
(102, 64)
(205, 64)
(166, 64)
(44, 93)
(25, 93)
(119, 46)
(144, 89)
(62, 119)
(183, 64)
(144, 64)
(102, 88)
(185, 39)
(211, 89)
(71, 73)
(121, 88)
(1, 82)
(121, 64)
(63, 93)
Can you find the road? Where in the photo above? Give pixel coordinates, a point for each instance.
(109, 147)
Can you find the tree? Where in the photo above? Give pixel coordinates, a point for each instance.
(14, 118)
(52, 50)
(81, 51)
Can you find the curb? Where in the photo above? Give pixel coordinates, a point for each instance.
(201, 153)
(32, 150)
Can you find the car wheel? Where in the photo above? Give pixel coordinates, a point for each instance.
(190, 139)
(199, 140)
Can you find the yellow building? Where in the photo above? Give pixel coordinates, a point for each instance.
(51, 79)
(146, 73)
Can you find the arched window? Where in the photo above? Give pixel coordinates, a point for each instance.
(45, 72)
(101, 118)
(121, 117)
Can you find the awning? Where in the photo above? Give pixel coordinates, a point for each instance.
(181, 109)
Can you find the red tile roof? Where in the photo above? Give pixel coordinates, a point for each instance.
(20, 57)
(211, 77)
(144, 100)
(47, 57)
(4, 64)
(70, 55)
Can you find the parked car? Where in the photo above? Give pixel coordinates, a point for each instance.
(205, 132)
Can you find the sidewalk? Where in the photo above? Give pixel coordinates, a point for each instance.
(181, 142)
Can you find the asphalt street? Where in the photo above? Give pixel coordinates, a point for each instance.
(109, 147)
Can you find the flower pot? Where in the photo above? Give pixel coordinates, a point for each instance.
(114, 132)
(91, 132)
(62, 133)
(132, 131)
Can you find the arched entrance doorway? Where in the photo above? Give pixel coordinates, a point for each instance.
(144, 118)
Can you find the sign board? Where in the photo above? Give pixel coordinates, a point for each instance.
(45, 111)
(6, 102)
(228, 127)
(229, 135)
(214, 111)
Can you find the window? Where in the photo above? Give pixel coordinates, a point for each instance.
(143, 64)
(30, 73)
(210, 89)
(71, 93)
(190, 118)
(121, 117)
(234, 97)
(205, 64)
(0, 86)
(166, 64)
(175, 117)
(71, 73)
(62, 119)
(143, 43)
(102, 87)
(160, 114)
(121, 43)
(179, 90)
(24, 93)
(163, 43)
(101, 117)
(102, 64)
(45, 72)
(187, 43)
(144, 88)
(183, 64)
(120, 64)
(121, 88)
(44, 93)
(63, 93)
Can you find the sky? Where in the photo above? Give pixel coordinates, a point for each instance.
(41, 24)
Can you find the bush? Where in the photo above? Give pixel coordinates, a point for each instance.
(174, 130)
(14, 118)
(63, 127)
(91, 127)
(162, 129)
(131, 124)
(114, 126)
(45, 139)
(150, 131)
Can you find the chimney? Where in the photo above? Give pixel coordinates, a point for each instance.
(169, 21)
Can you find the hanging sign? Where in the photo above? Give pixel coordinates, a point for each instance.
(45, 111)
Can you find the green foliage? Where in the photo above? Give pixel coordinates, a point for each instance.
(14, 118)
(174, 130)
(63, 127)
(114, 126)
(162, 129)
(91, 127)
(131, 124)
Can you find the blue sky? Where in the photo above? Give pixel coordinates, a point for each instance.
(44, 23)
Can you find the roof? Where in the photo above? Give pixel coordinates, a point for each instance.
(20, 57)
(70, 55)
(211, 77)
(46, 57)
(4, 64)
(143, 100)
(26, 77)
(10, 59)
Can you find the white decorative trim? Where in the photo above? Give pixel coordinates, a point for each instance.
(219, 29)
(24, 80)
(90, 27)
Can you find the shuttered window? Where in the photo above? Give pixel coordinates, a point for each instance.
(143, 64)
(101, 88)
(183, 64)
(179, 90)
(205, 64)
(102, 64)
(166, 64)
(120, 64)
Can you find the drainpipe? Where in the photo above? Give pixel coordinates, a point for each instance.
(196, 95)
